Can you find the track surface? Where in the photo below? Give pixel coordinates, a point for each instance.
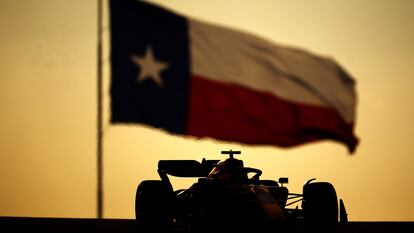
(15, 224)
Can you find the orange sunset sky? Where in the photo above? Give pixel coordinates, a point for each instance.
(48, 107)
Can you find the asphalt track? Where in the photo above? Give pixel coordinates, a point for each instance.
(23, 224)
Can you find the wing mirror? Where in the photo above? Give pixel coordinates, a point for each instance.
(283, 180)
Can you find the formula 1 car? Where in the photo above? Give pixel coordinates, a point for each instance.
(229, 196)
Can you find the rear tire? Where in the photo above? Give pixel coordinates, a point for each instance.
(153, 205)
(320, 207)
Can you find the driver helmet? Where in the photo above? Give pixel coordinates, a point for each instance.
(232, 172)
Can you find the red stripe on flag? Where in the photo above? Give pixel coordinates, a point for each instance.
(233, 113)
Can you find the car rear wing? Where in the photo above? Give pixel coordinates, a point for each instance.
(186, 168)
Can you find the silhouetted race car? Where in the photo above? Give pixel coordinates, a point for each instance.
(229, 196)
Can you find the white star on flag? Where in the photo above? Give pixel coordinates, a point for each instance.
(150, 67)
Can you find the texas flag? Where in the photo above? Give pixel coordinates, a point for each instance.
(197, 79)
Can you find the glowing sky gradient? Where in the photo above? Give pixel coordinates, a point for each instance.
(48, 107)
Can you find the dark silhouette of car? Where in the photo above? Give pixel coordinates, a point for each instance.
(229, 196)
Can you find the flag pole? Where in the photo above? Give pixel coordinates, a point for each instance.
(99, 135)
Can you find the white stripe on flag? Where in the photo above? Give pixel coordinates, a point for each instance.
(235, 57)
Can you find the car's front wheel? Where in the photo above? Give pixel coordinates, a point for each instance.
(153, 204)
(320, 207)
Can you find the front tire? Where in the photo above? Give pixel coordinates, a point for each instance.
(320, 207)
(153, 205)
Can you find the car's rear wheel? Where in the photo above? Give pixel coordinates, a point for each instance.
(320, 207)
(153, 204)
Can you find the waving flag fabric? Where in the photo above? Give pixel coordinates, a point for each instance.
(193, 78)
